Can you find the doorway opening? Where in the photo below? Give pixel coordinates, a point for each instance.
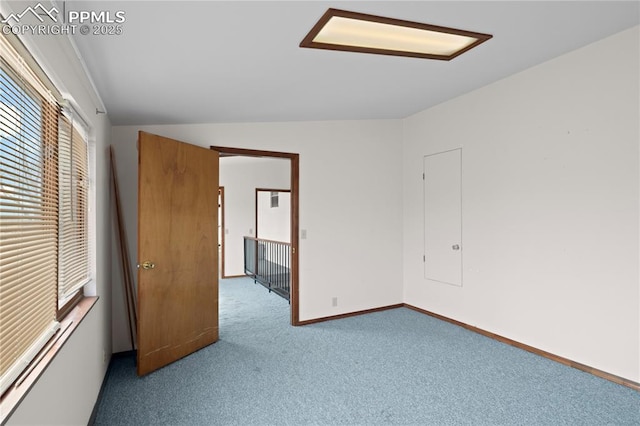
(294, 160)
(267, 256)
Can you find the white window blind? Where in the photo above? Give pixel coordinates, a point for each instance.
(73, 262)
(28, 216)
(44, 219)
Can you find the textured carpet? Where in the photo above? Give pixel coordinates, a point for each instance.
(390, 367)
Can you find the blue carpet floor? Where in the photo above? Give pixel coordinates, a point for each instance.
(391, 367)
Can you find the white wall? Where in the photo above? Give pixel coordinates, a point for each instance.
(67, 390)
(274, 223)
(240, 177)
(350, 203)
(549, 204)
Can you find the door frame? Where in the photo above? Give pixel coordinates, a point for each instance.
(295, 213)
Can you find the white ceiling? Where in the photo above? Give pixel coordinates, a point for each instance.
(239, 61)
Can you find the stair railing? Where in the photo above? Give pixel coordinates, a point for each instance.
(268, 262)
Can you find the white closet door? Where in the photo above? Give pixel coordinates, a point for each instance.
(443, 217)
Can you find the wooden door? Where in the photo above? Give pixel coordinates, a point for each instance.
(177, 250)
(443, 217)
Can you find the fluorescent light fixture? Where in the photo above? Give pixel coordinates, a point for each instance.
(358, 32)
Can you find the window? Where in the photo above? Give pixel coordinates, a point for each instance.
(73, 189)
(44, 258)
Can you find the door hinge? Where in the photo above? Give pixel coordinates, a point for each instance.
(423, 176)
(424, 258)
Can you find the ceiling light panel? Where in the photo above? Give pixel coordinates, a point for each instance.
(356, 32)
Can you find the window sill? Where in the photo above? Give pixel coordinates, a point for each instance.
(15, 394)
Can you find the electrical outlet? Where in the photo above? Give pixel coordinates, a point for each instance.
(104, 356)
(334, 302)
(251, 231)
(303, 234)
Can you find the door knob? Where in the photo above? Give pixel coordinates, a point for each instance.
(147, 264)
(455, 247)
